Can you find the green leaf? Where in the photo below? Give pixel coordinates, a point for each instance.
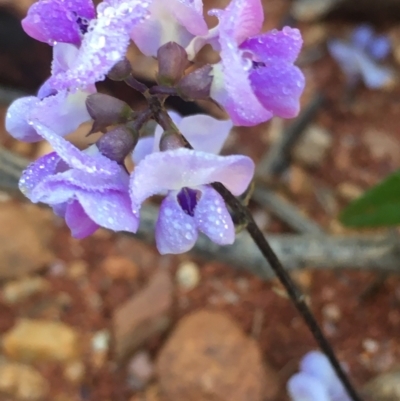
(378, 207)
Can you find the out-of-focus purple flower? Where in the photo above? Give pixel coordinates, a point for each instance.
(53, 21)
(191, 204)
(169, 21)
(256, 78)
(358, 57)
(84, 187)
(104, 44)
(316, 381)
(61, 111)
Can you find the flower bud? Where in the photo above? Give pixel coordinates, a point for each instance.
(121, 70)
(171, 140)
(118, 143)
(196, 85)
(172, 62)
(106, 110)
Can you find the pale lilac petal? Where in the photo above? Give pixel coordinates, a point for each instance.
(205, 133)
(343, 53)
(212, 217)
(175, 230)
(50, 21)
(278, 87)
(189, 14)
(374, 75)
(317, 365)
(112, 210)
(78, 221)
(63, 113)
(16, 122)
(37, 171)
(362, 35)
(143, 148)
(175, 169)
(231, 88)
(380, 47)
(87, 181)
(303, 387)
(52, 193)
(60, 209)
(241, 19)
(75, 158)
(169, 21)
(64, 55)
(46, 90)
(355, 63)
(284, 45)
(104, 44)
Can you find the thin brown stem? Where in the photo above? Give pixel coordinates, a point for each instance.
(293, 291)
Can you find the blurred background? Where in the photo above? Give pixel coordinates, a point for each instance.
(108, 318)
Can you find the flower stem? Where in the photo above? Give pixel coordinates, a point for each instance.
(293, 291)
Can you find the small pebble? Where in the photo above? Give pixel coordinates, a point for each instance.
(140, 370)
(188, 275)
(19, 290)
(332, 312)
(370, 345)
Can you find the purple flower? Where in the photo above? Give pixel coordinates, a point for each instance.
(359, 57)
(256, 78)
(104, 44)
(61, 111)
(53, 21)
(169, 21)
(317, 381)
(84, 187)
(191, 204)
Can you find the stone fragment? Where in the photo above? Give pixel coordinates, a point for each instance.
(208, 357)
(385, 387)
(188, 275)
(312, 146)
(74, 372)
(140, 370)
(25, 234)
(143, 315)
(119, 267)
(41, 340)
(19, 290)
(22, 382)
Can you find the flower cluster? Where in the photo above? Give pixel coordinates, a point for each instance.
(359, 57)
(254, 80)
(316, 381)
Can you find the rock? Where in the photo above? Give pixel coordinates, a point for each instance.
(208, 357)
(119, 267)
(17, 291)
(38, 340)
(24, 240)
(188, 275)
(74, 372)
(22, 382)
(312, 146)
(143, 315)
(100, 345)
(140, 370)
(385, 387)
(77, 269)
